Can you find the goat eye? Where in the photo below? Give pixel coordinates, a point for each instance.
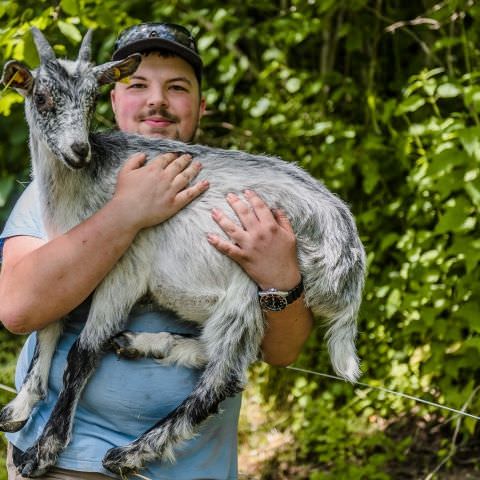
(40, 99)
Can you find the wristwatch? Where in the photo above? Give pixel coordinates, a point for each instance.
(274, 300)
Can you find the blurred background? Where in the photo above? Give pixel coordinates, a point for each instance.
(381, 101)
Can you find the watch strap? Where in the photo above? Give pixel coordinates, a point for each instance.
(295, 293)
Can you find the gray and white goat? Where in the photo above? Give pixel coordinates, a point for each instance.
(76, 173)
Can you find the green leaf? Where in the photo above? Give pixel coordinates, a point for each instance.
(444, 161)
(394, 301)
(30, 51)
(473, 193)
(205, 41)
(448, 90)
(472, 97)
(260, 108)
(70, 31)
(465, 247)
(410, 104)
(7, 99)
(293, 85)
(455, 218)
(70, 7)
(6, 186)
(470, 312)
(470, 140)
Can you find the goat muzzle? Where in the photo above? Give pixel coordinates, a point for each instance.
(80, 155)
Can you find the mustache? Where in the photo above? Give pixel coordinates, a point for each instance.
(162, 112)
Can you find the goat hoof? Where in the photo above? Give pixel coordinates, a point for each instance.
(30, 466)
(7, 424)
(122, 461)
(122, 345)
(12, 426)
(37, 460)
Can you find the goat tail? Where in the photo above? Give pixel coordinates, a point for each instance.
(334, 282)
(341, 343)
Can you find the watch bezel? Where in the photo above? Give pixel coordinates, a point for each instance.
(273, 301)
(276, 300)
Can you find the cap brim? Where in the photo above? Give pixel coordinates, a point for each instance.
(152, 43)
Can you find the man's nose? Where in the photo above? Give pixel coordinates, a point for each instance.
(157, 98)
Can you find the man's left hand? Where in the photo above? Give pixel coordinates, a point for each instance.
(263, 244)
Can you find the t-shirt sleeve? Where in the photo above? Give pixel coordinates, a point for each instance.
(25, 218)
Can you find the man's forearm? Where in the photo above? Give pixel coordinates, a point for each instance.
(47, 282)
(285, 333)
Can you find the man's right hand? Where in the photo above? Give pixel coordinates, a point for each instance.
(150, 193)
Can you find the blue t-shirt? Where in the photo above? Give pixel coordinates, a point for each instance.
(124, 398)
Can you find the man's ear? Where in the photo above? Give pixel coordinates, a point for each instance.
(111, 72)
(18, 76)
(112, 101)
(203, 106)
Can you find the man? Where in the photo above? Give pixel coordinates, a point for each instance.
(42, 281)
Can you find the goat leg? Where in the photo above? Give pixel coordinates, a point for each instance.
(107, 316)
(44, 453)
(234, 332)
(16, 413)
(165, 347)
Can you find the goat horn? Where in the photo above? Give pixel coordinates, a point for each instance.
(45, 51)
(84, 54)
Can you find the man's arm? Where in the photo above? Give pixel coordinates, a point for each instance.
(265, 247)
(42, 281)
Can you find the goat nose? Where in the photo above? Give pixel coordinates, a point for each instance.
(81, 150)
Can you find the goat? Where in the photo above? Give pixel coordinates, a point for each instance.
(76, 173)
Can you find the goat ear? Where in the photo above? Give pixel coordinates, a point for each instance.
(18, 76)
(114, 71)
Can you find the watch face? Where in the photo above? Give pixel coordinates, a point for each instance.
(273, 302)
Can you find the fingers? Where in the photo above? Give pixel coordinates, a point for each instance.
(179, 168)
(171, 162)
(139, 159)
(235, 232)
(282, 219)
(184, 197)
(179, 164)
(225, 247)
(261, 209)
(165, 159)
(254, 212)
(258, 226)
(134, 162)
(185, 176)
(244, 211)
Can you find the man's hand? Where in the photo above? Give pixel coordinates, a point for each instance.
(264, 245)
(153, 192)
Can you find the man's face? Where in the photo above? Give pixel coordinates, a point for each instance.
(161, 99)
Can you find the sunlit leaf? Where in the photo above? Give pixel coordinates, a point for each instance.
(70, 31)
(70, 7)
(410, 104)
(448, 90)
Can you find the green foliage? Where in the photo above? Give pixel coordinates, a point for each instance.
(385, 111)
